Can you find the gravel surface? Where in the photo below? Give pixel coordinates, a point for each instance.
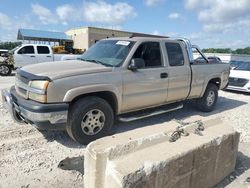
(29, 158)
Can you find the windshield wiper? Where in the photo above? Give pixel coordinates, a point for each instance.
(98, 62)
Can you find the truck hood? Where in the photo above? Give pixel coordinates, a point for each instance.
(61, 69)
(240, 74)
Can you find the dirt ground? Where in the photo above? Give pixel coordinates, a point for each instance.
(29, 158)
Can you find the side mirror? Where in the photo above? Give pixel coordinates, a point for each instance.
(136, 63)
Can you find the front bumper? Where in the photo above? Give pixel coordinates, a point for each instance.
(243, 89)
(44, 116)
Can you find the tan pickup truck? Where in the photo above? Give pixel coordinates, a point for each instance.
(117, 78)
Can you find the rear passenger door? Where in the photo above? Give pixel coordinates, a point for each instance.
(147, 86)
(43, 54)
(179, 71)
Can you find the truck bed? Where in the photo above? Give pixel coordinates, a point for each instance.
(202, 73)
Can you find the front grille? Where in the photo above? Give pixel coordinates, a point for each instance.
(22, 85)
(238, 82)
(23, 79)
(23, 91)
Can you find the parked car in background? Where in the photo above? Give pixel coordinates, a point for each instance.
(214, 59)
(239, 78)
(200, 60)
(27, 54)
(211, 59)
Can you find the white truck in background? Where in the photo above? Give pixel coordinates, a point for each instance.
(27, 54)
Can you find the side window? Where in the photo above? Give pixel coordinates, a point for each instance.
(26, 50)
(175, 54)
(150, 52)
(42, 50)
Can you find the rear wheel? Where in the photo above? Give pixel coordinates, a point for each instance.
(90, 118)
(209, 99)
(5, 69)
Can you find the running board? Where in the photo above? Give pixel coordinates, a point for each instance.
(151, 112)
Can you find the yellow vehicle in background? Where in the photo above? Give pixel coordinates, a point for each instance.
(62, 50)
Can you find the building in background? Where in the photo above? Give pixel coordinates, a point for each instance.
(44, 37)
(77, 38)
(84, 37)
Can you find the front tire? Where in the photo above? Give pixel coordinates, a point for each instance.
(5, 69)
(89, 118)
(208, 101)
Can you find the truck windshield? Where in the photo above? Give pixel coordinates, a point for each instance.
(108, 52)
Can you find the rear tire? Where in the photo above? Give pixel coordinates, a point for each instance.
(5, 69)
(89, 118)
(208, 101)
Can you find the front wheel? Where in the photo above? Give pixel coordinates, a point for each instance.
(209, 99)
(89, 118)
(5, 69)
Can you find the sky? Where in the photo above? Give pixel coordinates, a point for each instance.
(207, 23)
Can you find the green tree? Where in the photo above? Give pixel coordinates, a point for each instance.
(242, 51)
(217, 50)
(9, 45)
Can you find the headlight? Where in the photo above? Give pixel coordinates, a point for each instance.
(38, 97)
(37, 90)
(39, 84)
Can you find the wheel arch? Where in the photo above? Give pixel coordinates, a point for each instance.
(216, 81)
(108, 96)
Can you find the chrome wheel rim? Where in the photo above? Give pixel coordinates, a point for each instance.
(93, 122)
(4, 69)
(210, 98)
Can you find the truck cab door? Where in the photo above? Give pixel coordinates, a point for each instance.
(179, 71)
(146, 86)
(25, 56)
(44, 54)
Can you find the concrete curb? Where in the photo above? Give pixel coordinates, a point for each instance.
(145, 157)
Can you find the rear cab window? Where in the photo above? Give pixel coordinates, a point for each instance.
(43, 50)
(175, 54)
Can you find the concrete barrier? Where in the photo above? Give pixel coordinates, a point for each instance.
(146, 158)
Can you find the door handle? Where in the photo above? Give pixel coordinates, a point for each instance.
(32, 56)
(164, 75)
(48, 56)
